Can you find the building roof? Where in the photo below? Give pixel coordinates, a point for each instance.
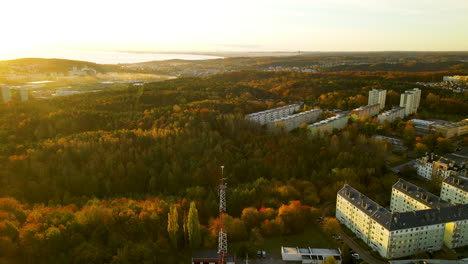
(329, 120)
(453, 125)
(459, 157)
(211, 255)
(311, 251)
(366, 107)
(403, 220)
(419, 194)
(299, 114)
(458, 182)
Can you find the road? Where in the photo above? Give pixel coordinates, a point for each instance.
(364, 254)
(399, 167)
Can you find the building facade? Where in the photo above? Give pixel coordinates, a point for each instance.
(366, 111)
(377, 96)
(392, 115)
(291, 122)
(453, 129)
(6, 94)
(410, 101)
(407, 197)
(328, 125)
(455, 189)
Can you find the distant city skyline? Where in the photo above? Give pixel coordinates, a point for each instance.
(32, 27)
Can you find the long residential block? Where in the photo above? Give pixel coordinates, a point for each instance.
(366, 111)
(326, 126)
(291, 122)
(392, 115)
(271, 115)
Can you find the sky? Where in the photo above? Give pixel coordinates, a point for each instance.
(233, 25)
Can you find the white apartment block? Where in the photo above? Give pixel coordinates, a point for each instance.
(366, 111)
(271, 115)
(431, 165)
(396, 234)
(392, 115)
(329, 124)
(410, 101)
(424, 167)
(291, 122)
(455, 189)
(377, 96)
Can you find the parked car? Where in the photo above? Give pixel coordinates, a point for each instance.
(356, 256)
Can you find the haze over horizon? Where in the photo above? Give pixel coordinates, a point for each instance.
(40, 27)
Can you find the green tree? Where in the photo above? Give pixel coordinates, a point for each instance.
(193, 226)
(331, 225)
(173, 224)
(330, 260)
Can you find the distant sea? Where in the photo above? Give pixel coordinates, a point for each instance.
(106, 57)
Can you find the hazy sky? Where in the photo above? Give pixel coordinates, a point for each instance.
(246, 25)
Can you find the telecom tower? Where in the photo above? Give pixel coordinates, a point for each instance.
(222, 240)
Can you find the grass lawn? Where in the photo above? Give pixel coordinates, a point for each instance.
(311, 237)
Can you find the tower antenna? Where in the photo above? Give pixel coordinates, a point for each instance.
(222, 239)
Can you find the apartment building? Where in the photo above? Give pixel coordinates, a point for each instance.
(377, 96)
(407, 197)
(271, 115)
(291, 122)
(455, 79)
(366, 111)
(396, 234)
(6, 94)
(328, 125)
(431, 165)
(410, 101)
(453, 129)
(455, 189)
(392, 115)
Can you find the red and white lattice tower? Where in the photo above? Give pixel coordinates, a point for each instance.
(222, 239)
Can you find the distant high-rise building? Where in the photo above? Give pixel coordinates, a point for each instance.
(6, 95)
(377, 96)
(410, 101)
(24, 94)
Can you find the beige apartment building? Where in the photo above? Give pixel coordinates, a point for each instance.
(407, 197)
(403, 232)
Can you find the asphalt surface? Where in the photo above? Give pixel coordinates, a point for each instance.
(399, 167)
(363, 254)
